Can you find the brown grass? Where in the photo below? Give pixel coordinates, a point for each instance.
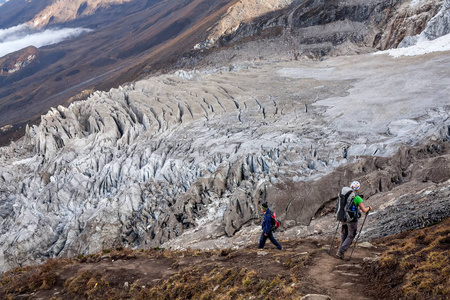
(221, 283)
(203, 279)
(417, 264)
(31, 279)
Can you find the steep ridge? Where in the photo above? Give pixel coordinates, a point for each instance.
(59, 12)
(128, 40)
(41, 14)
(14, 13)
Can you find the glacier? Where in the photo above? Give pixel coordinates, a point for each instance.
(141, 164)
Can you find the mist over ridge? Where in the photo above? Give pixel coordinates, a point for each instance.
(21, 36)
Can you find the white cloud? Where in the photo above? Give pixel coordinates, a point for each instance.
(423, 46)
(12, 32)
(21, 36)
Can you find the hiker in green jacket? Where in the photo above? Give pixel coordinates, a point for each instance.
(349, 229)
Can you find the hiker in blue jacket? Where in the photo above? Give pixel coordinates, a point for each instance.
(267, 228)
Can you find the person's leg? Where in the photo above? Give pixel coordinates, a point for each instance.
(344, 233)
(351, 233)
(262, 241)
(274, 241)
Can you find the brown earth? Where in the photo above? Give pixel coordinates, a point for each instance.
(411, 265)
(304, 267)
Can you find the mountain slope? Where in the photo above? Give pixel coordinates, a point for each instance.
(127, 40)
(13, 13)
(410, 264)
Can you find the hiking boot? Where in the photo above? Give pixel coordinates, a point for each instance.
(340, 255)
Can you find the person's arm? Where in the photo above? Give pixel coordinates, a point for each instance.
(364, 209)
(266, 227)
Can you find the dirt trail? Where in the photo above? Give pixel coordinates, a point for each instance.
(303, 265)
(340, 279)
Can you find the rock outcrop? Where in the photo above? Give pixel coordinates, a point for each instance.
(316, 28)
(18, 60)
(437, 27)
(62, 11)
(239, 14)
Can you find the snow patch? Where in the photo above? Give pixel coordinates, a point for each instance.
(415, 3)
(422, 47)
(25, 161)
(216, 211)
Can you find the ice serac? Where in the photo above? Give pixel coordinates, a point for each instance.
(440, 24)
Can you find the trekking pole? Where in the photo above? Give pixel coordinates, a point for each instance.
(334, 236)
(357, 237)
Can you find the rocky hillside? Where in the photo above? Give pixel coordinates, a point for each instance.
(318, 28)
(18, 60)
(59, 12)
(50, 12)
(184, 159)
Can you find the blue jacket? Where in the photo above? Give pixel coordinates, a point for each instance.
(267, 222)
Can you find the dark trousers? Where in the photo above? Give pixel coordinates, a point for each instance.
(263, 239)
(348, 233)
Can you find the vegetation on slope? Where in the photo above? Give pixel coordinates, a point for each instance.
(416, 266)
(413, 265)
(190, 275)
